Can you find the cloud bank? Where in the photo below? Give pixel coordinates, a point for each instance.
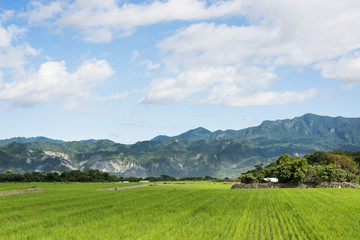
(100, 21)
(322, 35)
(52, 82)
(218, 63)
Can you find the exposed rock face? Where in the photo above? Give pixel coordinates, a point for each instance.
(290, 185)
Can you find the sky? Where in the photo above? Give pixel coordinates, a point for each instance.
(131, 70)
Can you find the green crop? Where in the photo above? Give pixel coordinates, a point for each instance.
(201, 210)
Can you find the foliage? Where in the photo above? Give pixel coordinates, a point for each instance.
(88, 175)
(333, 166)
(291, 169)
(248, 178)
(327, 173)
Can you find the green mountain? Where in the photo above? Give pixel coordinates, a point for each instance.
(197, 152)
(199, 133)
(322, 131)
(4, 142)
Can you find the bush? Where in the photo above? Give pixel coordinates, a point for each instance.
(248, 178)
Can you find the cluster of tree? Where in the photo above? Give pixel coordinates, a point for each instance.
(88, 175)
(333, 166)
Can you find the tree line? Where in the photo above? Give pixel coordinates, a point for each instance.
(333, 166)
(88, 175)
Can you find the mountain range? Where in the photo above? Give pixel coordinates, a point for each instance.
(198, 152)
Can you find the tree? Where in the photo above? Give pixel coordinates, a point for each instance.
(317, 158)
(328, 173)
(248, 178)
(52, 177)
(344, 162)
(290, 169)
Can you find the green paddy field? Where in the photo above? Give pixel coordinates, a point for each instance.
(196, 210)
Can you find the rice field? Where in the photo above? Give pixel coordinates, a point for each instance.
(201, 210)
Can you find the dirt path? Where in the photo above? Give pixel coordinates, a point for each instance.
(127, 187)
(136, 186)
(21, 191)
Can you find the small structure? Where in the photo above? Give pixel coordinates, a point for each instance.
(144, 181)
(273, 180)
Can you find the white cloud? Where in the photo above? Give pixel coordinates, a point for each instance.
(12, 53)
(149, 64)
(7, 14)
(230, 86)
(38, 12)
(113, 97)
(110, 19)
(52, 82)
(280, 33)
(9, 34)
(298, 34)
(242, 99)
(15, 56)
(346, 69)
(211, 44)
(211, 62)
(310, 31)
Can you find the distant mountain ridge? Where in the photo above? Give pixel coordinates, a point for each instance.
(4, 142)
(198, 152)
(199, 133)
(305, 128)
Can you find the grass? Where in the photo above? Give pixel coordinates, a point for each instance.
(199, 211)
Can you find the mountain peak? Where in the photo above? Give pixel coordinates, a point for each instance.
(194, 134)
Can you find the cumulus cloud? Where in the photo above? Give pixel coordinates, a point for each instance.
(110, 19)
(13, 53)
(211, 44)
(15, 56)
(38, 12)
(229, 86)
(321, 34)
(211, 62)
(346, 69)
(281, 33)
(310, 31)
(52, 82)
(239, 98)
(22, 86)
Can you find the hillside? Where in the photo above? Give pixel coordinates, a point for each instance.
(197, 152)
(329, 132)
(4, 142)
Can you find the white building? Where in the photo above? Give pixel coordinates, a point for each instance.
(274, 180)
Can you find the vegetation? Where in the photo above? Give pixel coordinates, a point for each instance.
(198, 211)
(88, 175)
(333, 166)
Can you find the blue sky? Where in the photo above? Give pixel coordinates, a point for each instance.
(131, 70)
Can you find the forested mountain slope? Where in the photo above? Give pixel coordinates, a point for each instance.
(197, 152)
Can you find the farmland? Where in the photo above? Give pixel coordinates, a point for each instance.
(201, 210)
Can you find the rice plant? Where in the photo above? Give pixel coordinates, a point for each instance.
(200, 210)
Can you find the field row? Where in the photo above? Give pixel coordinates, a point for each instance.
(198, 211)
